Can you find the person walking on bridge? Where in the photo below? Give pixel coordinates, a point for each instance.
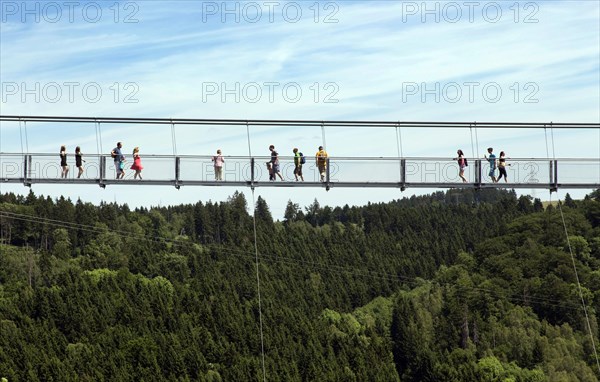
(137, 163)
(492, 159)
(79, 161)
(63, 162)
(275, 163)
(218, 164)
(502, 167)
(119, 159)
(321, 161)
(298, 162)
(462, 164)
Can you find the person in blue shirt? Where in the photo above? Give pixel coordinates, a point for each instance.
(492, 159)
(119, 159)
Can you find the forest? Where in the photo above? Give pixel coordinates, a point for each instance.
(462, 285)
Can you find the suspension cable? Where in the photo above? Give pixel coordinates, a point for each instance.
(323, 135)
(260, 322)
(472, 147)
(399, 139)
(552, 136)
(21, 135)
(476, 137)
(257, 262)
(399, 150)
(587, 318)
(173, 138)
(26, 137)
(562, 217)
(97, 143)
(546, 135)
(96, 128)
(248, 135)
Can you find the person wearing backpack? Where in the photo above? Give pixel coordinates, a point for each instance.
(321, 161)
(462, 163)
(299, 160)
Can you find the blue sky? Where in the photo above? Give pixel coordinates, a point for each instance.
(371, 60)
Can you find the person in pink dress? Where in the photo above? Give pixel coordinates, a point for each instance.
(137, 163)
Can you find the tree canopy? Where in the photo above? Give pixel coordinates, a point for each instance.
(453, 286)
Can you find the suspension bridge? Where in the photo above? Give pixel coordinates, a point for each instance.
(401, 172)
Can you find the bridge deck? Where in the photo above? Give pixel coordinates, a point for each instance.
(178, 171)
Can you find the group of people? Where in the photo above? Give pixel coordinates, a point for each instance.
(116, 154)
(499, 163)
(65, 166)
(274, 167)
(119, 159)
(218, 162)
(299, 160)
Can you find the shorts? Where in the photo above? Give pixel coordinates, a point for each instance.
(322, 168)
(298, 170)
(275, 168)
(492, 172)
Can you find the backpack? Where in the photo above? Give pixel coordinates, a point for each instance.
(466, 164)
(302, 158)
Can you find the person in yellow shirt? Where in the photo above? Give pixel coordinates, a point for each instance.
(321, 161)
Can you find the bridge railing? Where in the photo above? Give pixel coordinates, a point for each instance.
(341, 171)
(422, 171)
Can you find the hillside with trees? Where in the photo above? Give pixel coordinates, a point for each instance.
(454, 286)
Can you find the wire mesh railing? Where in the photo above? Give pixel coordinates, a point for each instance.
(422, 172)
